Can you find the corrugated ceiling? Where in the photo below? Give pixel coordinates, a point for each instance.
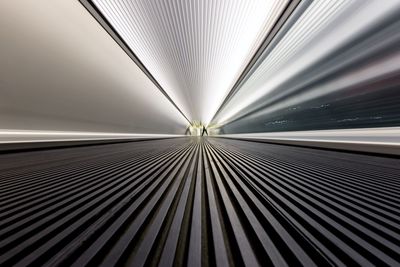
(195, 49)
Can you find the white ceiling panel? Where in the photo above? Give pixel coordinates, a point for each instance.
(196, 50)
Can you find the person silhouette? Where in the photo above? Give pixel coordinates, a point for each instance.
(204, 130)
(187, 132)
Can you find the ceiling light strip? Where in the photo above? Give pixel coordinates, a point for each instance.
(291, 6)
(93, 10)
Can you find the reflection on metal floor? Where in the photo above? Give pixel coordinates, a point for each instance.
(198, 202)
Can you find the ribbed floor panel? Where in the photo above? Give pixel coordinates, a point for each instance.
(198, 202)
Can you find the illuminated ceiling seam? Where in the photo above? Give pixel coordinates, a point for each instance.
(260, 53)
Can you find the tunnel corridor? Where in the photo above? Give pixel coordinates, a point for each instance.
(199, 133)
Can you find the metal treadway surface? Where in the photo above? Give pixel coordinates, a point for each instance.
(198, 202)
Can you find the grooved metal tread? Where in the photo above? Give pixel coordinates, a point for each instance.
(198, 202)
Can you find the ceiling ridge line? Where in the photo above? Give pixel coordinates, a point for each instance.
(99, 17)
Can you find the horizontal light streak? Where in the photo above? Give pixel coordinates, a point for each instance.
(383, 140)
(22, 136)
